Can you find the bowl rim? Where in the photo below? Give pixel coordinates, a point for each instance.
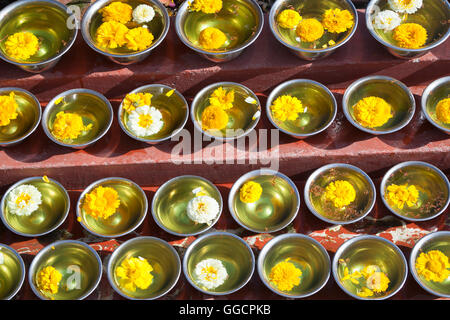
(63, 7)
(414, 163)
(132, 240)
(319, 171)
(100, 3)
(32, 271)
(209, 235)
(168, 182)
(24, 181)
(370, 27)
(99, 182)
(37, 122)
(413, 256)
(184, 8)
(277, 91)
(269, 246)
(51, 105)
(261, 172)
(393, 81)
(358, 238)
(22, 269)
(201, 93)
(173, 133)
(272, 23)
(426, 94)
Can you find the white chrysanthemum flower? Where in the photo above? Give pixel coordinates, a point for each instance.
(203, 209)
(408, 6)
(24, 200)
(143, 13)
(387, 20)
(211, 273)
(145, 121)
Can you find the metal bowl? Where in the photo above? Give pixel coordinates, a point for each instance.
(173, 107)
(433, 241)
(434, 16)
(29, 112)
(240, 20)
(130, 214)
(158, 26)
(276, 208)
(170, 202)
(365, 250)
(92, 106)
(49, 21)
(79, 264)
(319, 101)
(315, 190)
(311, 9)
(305, 253)
(393, 91)
(437, 90)
(432, 184)
(12, 272)
(243, 117)
(235, 254)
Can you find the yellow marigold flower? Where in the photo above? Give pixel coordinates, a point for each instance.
(443, 110)
(433, 266)
(68, 126)
(102, 202)
(211, 38)
(250, 192)
(21, 45)
(365, 292)
(206, 6)
(340, 192)
(309, 30)
(378, 282)
(397, 196)
(288, 19)
(134, 272)
(135, 100)
(111, 34)
(222, 98)
(286, 108)
(8, 109)
(285, 275)
(48, 280)
(410, 35)
(337, 20)
(139, 39)
(372, 112)
(214, 117)
(117, 11)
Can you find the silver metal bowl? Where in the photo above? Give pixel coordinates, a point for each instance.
(437, 90)
(12, 272)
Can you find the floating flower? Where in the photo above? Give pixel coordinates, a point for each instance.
(408, 6)
(211, 38)
(139, 39)
(387, 20)
(134, 100)
(351, 276)
(288, 19)
(433, 266)
(203, 209)
(372, 112)
(398, 196)
(143, 13)
(214, 117)
(340, 192)
(369, 270)
(117, 12)
(286, 108)
(111, 34)
(222, 98)
(8, 109)
(48, 280)
(68, 126)
(145, 121)
(285, 275)
(378, 282)
(21, 45)
(206, 6)
(211, 273)
(309, 30)
(442, 110)
(337, 20)
(410, 35)
(134, 273)
(364, 292)
(24, 200)
(102, 202)
(250, 192)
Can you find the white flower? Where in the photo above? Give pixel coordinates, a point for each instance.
(24, 200)
(203, 209)
(408, 6)
(387, 20)
(145, 121)
(211, 273)
(143, 13)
